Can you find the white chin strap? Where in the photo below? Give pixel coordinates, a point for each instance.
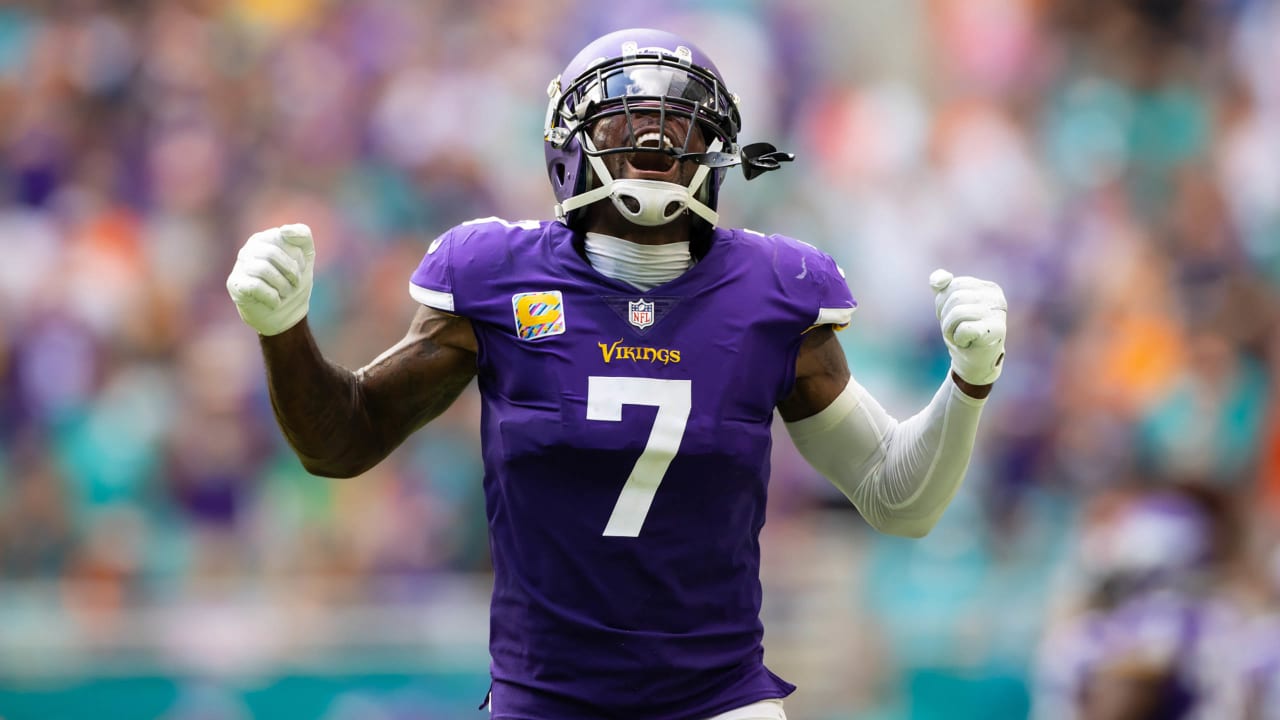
(644, 202)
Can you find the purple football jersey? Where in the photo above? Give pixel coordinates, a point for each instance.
(626, 440)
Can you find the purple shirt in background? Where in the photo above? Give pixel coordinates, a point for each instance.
(626, 442)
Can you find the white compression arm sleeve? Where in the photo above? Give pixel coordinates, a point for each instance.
(900, 475)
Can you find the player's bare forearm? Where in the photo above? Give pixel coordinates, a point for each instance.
(977, 392)
(341, 423)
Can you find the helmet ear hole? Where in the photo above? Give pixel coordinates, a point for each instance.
(559, 171)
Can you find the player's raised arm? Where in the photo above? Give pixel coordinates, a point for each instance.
(340, 423)
(901, 475)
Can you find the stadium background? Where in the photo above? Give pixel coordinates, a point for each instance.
(1115, 165)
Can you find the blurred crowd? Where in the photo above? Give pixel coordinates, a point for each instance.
(1114, 164)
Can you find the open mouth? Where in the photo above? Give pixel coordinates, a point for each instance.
(656, 155)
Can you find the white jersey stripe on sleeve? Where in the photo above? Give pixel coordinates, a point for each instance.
(432, 298)
(834, 316)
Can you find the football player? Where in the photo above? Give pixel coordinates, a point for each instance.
(1158, 638)
(630, 355)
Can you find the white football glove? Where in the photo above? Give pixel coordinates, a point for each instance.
(972, 314)
(271, 281)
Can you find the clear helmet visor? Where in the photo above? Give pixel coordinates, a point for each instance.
(659, 81)
(653, 85)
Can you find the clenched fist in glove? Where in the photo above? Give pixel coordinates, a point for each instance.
(271, 281)
(972, 313)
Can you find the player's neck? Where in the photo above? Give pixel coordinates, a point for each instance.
(642, 266)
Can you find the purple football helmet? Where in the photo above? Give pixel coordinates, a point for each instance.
(643, 70)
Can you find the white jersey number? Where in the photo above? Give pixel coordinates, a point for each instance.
(605, 398)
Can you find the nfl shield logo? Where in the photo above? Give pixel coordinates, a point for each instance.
(640, 313)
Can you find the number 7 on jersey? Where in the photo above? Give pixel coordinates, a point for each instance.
(673, 398)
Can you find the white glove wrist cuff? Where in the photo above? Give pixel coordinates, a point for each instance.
(269, 329)
(985, 376)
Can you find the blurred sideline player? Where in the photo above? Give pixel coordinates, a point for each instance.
(1158, 638)
(630, 356)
